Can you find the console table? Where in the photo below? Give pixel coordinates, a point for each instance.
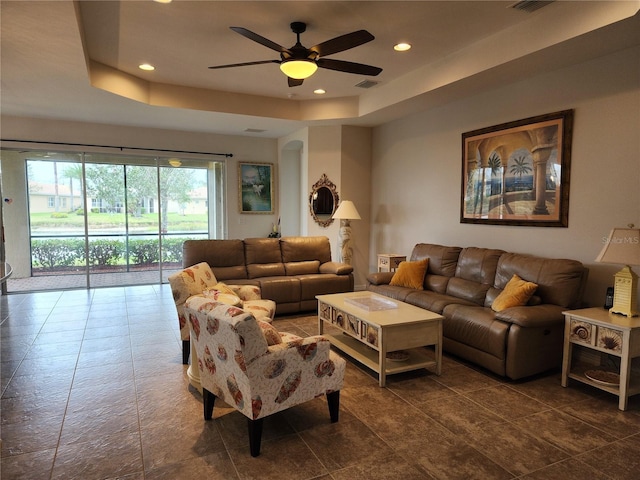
(597, 329)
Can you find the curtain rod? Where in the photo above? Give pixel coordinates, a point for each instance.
(227, 155)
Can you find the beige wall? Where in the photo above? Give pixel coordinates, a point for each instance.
(417, 167)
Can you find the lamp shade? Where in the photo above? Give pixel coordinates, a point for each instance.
(298, 69)
(622, 247)
(346, 211)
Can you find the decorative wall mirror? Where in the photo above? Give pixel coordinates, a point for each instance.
(323, 201)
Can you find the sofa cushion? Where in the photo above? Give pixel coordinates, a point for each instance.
(410, 274)
(298, 249)
(300, 268)
(437, 283)
(226, 257)
(265, 270)
(467, 290)
(262, 250)
(280, 289)
(433, 301)
(478, 264)
(516, 293)
(391, 291)
(442, 260)
(560, 281)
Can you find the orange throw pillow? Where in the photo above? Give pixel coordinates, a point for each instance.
(517, 292)
(410, 274)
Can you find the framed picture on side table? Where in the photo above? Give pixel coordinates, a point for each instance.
(517, 173)
(255, 187)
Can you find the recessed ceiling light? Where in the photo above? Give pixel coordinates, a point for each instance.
(146, 67)
(319, 91)
(162, 1)
(401, 47)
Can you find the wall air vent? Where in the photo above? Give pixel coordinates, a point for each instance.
(530, 5)
(366, 84)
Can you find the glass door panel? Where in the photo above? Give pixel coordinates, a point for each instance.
(56, 218)
(184, 210)
(106, 220)
(143, 225)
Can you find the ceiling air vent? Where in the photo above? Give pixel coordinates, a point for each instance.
(530, 5)
(366, 84)
(254, 130)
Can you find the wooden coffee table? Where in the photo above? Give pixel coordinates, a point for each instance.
(369, 326)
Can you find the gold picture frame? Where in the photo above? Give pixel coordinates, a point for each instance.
(255, 187)
(517, 173)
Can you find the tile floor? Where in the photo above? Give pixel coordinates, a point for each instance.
(93, 388)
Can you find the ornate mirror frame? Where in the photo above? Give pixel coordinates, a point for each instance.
(323, 183)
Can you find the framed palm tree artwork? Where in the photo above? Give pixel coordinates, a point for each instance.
(517, 173)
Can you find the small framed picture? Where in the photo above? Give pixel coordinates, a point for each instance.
(255, 187)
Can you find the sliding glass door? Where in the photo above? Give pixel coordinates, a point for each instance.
(104, 220)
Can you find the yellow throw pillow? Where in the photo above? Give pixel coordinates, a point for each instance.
(410, 274)
(517, 292)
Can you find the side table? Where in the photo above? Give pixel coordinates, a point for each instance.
(388, 262)
(608, 333)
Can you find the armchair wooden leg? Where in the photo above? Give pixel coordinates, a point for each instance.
(186, 348)
(209, 400)
(255, 436)
(333, 399)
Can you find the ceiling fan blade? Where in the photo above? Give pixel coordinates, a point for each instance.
(215, 67)
(260, 39)
(349, 67)
(294, 82)
(342, 43)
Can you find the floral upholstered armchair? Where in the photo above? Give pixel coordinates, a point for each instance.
(256, 369)
(200, 280)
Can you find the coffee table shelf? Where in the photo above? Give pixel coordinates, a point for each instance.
(370, 357)
(369, 335)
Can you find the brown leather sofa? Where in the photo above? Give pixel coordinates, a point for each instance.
(462, 283)
(291, 271)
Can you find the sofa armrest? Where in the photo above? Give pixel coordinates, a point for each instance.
(380, 278)
(336, 268)
(544, 315)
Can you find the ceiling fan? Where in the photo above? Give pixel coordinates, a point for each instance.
(299, 62)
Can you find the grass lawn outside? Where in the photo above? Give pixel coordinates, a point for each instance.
(147, 221)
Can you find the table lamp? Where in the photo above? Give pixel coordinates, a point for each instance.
(345, 213)
(623, 247)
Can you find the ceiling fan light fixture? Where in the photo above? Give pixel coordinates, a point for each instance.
(298, 69)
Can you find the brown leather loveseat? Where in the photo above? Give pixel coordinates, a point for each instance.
(462, 283)
(291, 271)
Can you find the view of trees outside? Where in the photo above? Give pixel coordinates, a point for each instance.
(136, 213)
